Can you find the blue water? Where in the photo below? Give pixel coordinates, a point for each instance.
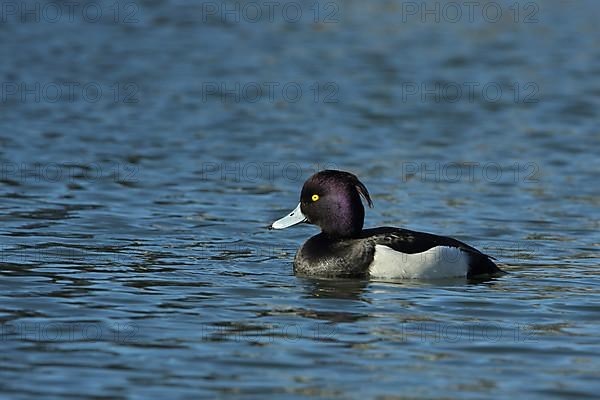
(144, 149)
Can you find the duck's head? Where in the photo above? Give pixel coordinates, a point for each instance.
(331, 200)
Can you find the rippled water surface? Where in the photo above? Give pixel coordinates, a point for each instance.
(144, 153)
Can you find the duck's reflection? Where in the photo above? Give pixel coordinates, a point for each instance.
(351, 289)
(355, 289)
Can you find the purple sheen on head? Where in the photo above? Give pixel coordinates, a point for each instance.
(340, 211)
(350, 213)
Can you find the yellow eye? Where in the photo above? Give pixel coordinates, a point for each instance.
(315, 197)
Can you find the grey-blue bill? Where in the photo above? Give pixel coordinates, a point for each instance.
(293, 218)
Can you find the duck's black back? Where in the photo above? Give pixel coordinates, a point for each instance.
(352, 257)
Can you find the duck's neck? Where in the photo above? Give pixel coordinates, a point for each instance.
(346, 220)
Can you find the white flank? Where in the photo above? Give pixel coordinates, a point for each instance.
(437, 262)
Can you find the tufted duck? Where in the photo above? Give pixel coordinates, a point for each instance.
(332, 200)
